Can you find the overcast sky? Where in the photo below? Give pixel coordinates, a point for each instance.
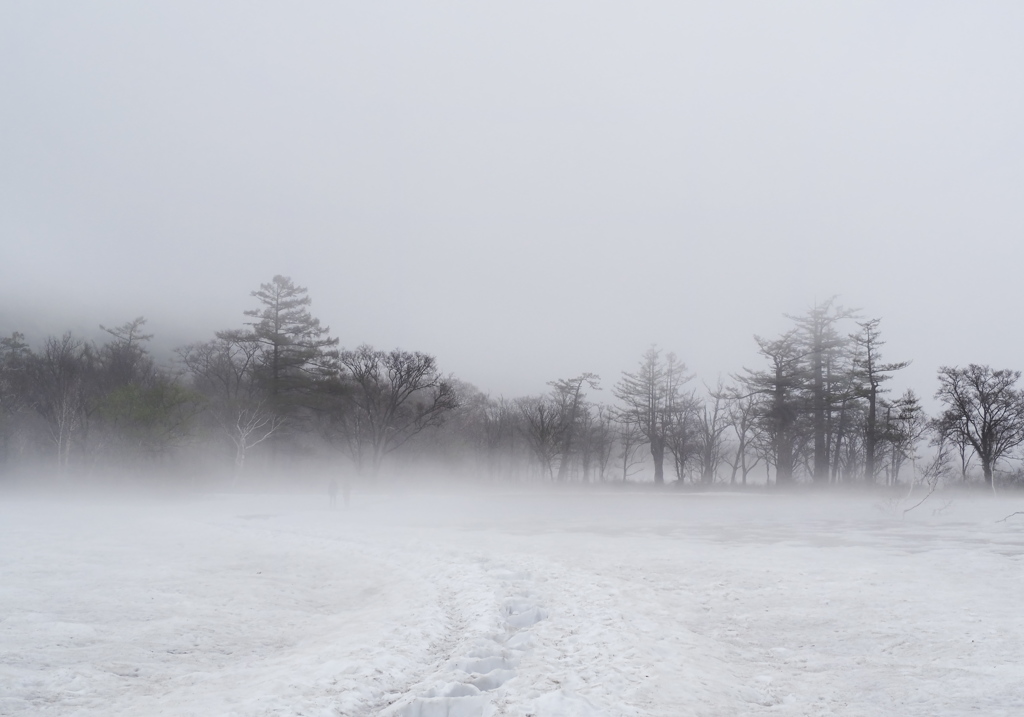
(527, 190)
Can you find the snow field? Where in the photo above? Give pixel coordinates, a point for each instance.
(514, 604)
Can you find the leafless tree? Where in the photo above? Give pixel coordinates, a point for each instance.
(59, 375)
(501, 430)
(252, 425)
(569, 396)
(984, 409)
(904, 424)
(631, 440)
(224, 372)
(930, 479)
(599, 441)
(385, 399)
(712, 423)
(542, 424)
(742, 412)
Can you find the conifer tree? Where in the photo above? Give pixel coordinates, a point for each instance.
(295, 350)
(871, 373)
(652, 402)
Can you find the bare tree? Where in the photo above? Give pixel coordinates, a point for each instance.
(501, 430)
(712, 422)
(251, 424)
(984, 409)
(743, 411)
(597, 440)
(58, 376)
(682, 438)
(904, 424)
(630, 442)
(224, 372)
(385, 399)
(930, 479)
(601, 439)
(568, 394)
(542, 425)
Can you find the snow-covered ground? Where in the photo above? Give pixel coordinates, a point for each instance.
(569, 603)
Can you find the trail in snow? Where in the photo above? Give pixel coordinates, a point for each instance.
(573, 604)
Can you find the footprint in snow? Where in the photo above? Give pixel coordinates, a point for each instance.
(488, 664)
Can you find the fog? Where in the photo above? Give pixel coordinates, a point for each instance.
(526, 192)
(501, 482)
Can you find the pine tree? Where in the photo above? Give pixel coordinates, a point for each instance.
(777, 393)
(296, 351)
(823, 346)
(652, 402)
(870, 373)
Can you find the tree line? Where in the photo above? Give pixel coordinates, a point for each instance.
(278, 392)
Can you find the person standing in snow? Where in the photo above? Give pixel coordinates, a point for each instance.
(332, 491)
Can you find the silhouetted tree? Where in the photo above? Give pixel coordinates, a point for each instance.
(630, 440)
(823, 347)
(124, 360)
(870, 373)
(224, 371)
(682, 436)
(501, 430)
(780, 386)
(984, 408)
(600, 440)
(712, 422)
(569, 396)
(385, 399)
(651, 401)
(542, 425)
(904, 424)
(295, 351)
(743, 412)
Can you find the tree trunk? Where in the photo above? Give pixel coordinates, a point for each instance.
(239, 461)
(821, 461)
(869, 438)
(784, 462)
(658, 453)
(736, 464)
(782, 440)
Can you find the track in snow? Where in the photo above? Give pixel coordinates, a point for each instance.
(549, 606)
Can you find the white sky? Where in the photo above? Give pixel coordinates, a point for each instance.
(528, 190)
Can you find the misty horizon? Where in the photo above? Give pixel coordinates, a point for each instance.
(527, 359)
(444, 178)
